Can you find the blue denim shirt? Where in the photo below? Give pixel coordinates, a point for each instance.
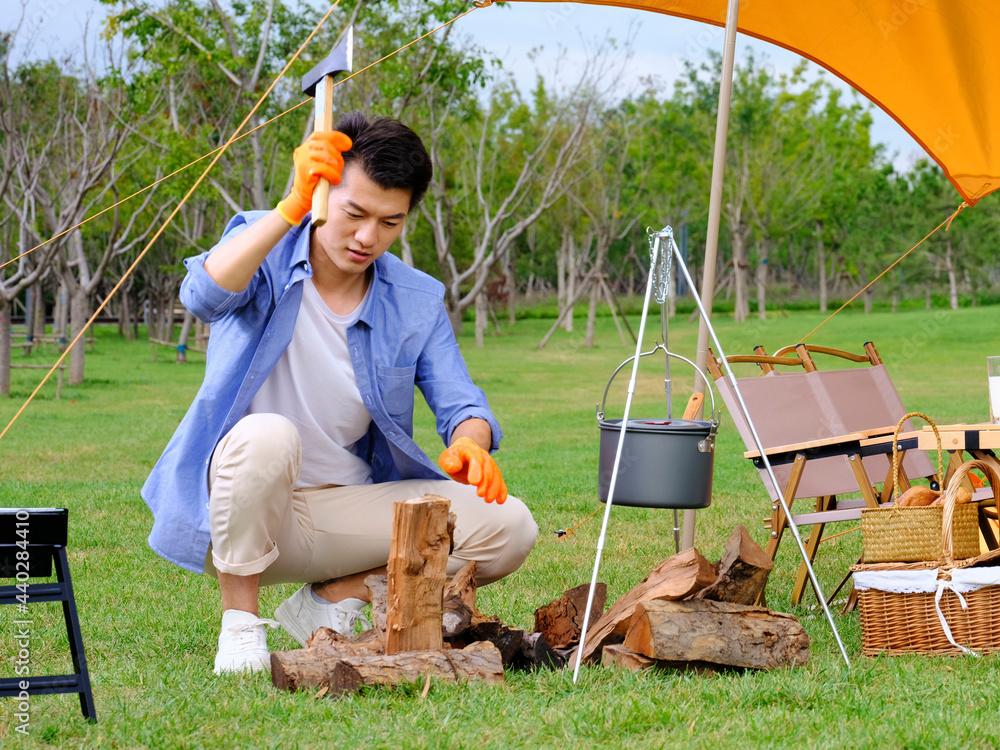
(402, 337)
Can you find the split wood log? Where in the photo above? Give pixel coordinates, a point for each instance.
(460, 600)
(327, 641)
(616, 655)
(347, 673)
(463, 586)
(675, 578)
(506, 639)
(378, 588)
(721, 633)
(418, 559)
(455, 618)
(535, 653)
(743, 571)
(561, 620)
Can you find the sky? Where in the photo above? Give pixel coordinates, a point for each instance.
(527, 36)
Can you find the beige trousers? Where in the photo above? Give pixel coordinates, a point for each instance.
(259, 524)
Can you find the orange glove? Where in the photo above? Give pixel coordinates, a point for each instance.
(467, 463)
(318, 157)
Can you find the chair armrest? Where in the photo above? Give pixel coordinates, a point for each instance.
(851, 437)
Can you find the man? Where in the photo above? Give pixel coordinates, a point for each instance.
(287, 464)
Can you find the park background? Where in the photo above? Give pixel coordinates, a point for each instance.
(542, 182)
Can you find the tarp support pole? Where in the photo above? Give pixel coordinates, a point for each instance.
(714, 216)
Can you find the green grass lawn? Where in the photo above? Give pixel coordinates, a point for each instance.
(150, 628)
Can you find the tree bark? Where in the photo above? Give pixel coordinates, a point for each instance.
(949, 263)
(182, 342)
(79, 313)
(4, 346)
(482, 319)
(743, 571)
(561, 620)
(821, 267)
(719, 633)
(741, 309)
(762, 280)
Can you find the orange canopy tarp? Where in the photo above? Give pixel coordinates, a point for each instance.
(932, 65)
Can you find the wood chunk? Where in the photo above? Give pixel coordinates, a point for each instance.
(463, 586)
(506, 639)
(456, 617)
(561, 620)
(674, 578)
(535, 652)
(743, 571)
(347, 673)
(418, 559)
(721, 633)
(616, 655)
(378, 587)
(328, 640)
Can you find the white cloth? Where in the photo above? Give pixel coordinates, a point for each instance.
(314, 386)
(963, 580)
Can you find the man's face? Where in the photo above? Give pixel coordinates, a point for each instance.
(364, 220)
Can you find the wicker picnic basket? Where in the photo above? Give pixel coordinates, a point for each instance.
(948, 606)
(896, 534)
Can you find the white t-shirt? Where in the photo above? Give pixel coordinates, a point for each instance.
(313, 385)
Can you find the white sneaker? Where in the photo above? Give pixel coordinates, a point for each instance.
(243, 643)
(301, 615)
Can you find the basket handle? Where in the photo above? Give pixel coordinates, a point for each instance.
(895, 449)
(950, 497)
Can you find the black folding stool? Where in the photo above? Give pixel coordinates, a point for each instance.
(39, 535)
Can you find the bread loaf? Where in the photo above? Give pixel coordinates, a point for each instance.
(917, 496)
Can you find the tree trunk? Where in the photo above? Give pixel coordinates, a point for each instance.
(39, 329)
(762, 249)
(79, 312)
(895, 299)
(571, 281)
(182, 342)
(482, 319)
(742, 308)
(821, 267)
(455, 316)
(928, 302)
(4, 346)
(30, 311)
(595, 296)
(62, 316)
(952, 278)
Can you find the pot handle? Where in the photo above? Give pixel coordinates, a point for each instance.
(657, 348)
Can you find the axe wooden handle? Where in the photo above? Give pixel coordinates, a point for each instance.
(323, 121)
(693, 405)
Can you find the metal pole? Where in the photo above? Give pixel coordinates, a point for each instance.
(767, 462)
(714, 213)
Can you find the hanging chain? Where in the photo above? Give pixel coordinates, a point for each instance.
(662, 263)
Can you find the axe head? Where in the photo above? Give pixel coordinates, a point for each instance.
(340, 60)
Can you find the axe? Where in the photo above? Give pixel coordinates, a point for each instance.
(318, 83)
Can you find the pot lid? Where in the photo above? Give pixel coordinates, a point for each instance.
(662, 426)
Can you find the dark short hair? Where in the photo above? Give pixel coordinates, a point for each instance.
(389, 152)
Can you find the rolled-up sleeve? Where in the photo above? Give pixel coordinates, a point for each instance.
(444, 379)
(199, 291)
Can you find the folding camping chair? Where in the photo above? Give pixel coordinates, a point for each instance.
(812, 424)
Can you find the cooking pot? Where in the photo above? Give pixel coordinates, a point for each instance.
(665, 463)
